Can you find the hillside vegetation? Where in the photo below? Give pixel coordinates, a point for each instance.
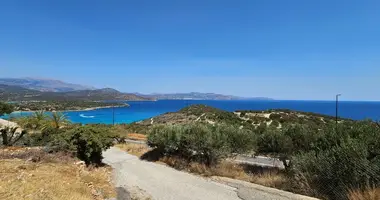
(248, 119)
(321, 158)
(17, 93)
(40, 158)
(196, 113)
(280, 117)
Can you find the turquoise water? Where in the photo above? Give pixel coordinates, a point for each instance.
(140, 110)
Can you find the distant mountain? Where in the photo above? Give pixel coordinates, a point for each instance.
(17, 93)
(44, 85)
(199, 96)
(44, 89)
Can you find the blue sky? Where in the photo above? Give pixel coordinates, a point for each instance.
(292, 49)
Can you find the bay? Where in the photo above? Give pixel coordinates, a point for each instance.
(140, 110)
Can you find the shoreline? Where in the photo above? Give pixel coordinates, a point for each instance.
(97, 108)
(84, 109)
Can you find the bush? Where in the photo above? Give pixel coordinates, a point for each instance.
(239, 140)
(5, 108)
(86, 142)
(288, 141)
(202, 143)
(333, 172)
(43, 138)
(274, 116)
(327, 161)
(275, 123)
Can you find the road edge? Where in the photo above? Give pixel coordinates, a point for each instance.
(238, 184)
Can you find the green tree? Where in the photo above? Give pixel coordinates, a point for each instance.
(333, 172)
(200, 142)
(5, 108)
(86, 142)
(288, 141)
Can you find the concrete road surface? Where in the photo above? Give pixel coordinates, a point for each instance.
(260, 161)
(147, 180)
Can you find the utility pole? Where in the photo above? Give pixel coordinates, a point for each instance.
(336, 110)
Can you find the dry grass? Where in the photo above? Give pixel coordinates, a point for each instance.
(52, 179)
(368, 194)
(134, 149)
(270, 179)
(136, 136)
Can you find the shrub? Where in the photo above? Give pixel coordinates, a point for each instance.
(328, 162)
(243, 113)
(86, 142)
(275, 123)
(239, 140)
(287, 141)
(203, 143)
(269, 141)
(5, 108)
(332, 173)
(43, 138)
(274, 116)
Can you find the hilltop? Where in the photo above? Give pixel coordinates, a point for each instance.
(195, 113)
(280, 117)
(44, 85)
(248, 118)
(17, 93)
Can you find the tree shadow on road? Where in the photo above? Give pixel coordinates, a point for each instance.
(258, 170)
(152, 155)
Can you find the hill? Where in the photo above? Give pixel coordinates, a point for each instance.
(195, 113)
(17, 93)
(199, 96)
(280, 117)
(44, 85)
(250, 119)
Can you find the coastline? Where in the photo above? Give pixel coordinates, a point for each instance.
(84, 109)
(99, 107)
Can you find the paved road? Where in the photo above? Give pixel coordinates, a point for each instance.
(160, 182)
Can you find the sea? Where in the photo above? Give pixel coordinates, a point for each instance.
(140, 110)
